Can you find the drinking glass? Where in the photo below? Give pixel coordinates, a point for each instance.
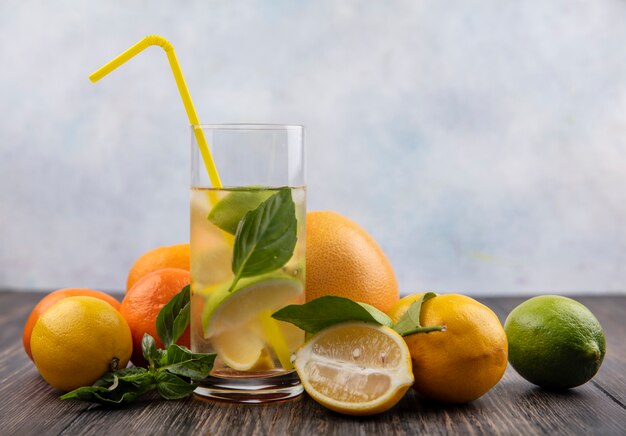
(247, 259)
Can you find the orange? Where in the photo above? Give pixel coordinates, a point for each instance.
(464, 361)
(78, 340)
(47, 301)
(145, 299)
(342, 259)
(171, 256)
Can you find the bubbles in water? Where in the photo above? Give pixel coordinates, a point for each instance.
(292, 359)
(356, 353)
(444, 328)
(383, 357)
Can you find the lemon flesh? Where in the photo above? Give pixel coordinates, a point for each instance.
(240, 327)
(355, 368)
(240, 350)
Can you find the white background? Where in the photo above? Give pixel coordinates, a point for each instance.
(482, 143)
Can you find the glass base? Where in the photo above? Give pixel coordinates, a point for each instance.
(251, 390)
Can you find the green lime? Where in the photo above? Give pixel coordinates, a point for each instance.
(554, 342)
(231, 209)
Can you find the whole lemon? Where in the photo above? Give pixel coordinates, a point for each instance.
(464, 360)
(52, 298)
(342, 259)
(555, 342)
(79, 339)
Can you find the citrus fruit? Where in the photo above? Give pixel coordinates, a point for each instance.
(143, 302)
(355, 368)
(231, 209)
(47, 301)
(171, 256)
(79, 339)
(240, 327)
(342, 259)
(554, 342)
(466, 359)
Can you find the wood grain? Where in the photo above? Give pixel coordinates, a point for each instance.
(514, 407)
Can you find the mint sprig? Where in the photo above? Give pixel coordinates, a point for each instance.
(265, 237)
(170, 372)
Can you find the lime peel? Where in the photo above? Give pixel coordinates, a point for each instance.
(220, 295)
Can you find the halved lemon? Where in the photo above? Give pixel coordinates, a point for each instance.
(240, 327)
(355, 368)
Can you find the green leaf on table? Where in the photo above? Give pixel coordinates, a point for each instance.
(409, 323)
(181, 361)
(266, 237)
(172, 387)
(115, 388)
(327, 311)
(173, 318)
(132, 374)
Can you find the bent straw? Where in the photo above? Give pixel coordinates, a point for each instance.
(182, 89)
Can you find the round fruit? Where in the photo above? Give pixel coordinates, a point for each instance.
(555, 342)
(144, 301)
(47, 301)
(171, 256)
(342, 259)
(461, 362)
(355, 368)
(78, 340)
(240, 327)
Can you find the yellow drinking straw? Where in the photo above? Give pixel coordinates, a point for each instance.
(275, 338)
(182, 89)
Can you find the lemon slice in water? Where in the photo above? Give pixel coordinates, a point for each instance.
(239, 323)
(231, 209)
(355, 368)
(239, 349)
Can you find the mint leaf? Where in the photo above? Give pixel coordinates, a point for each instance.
(132, 375)
(172, 387)
(173, 318)
(409, 323)
(115, 388)
(101, 395)
(266, 237)
(327, 311)
(181, 361)
(149, 350)
(380, 316)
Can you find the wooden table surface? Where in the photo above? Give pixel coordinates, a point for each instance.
(29, 406)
